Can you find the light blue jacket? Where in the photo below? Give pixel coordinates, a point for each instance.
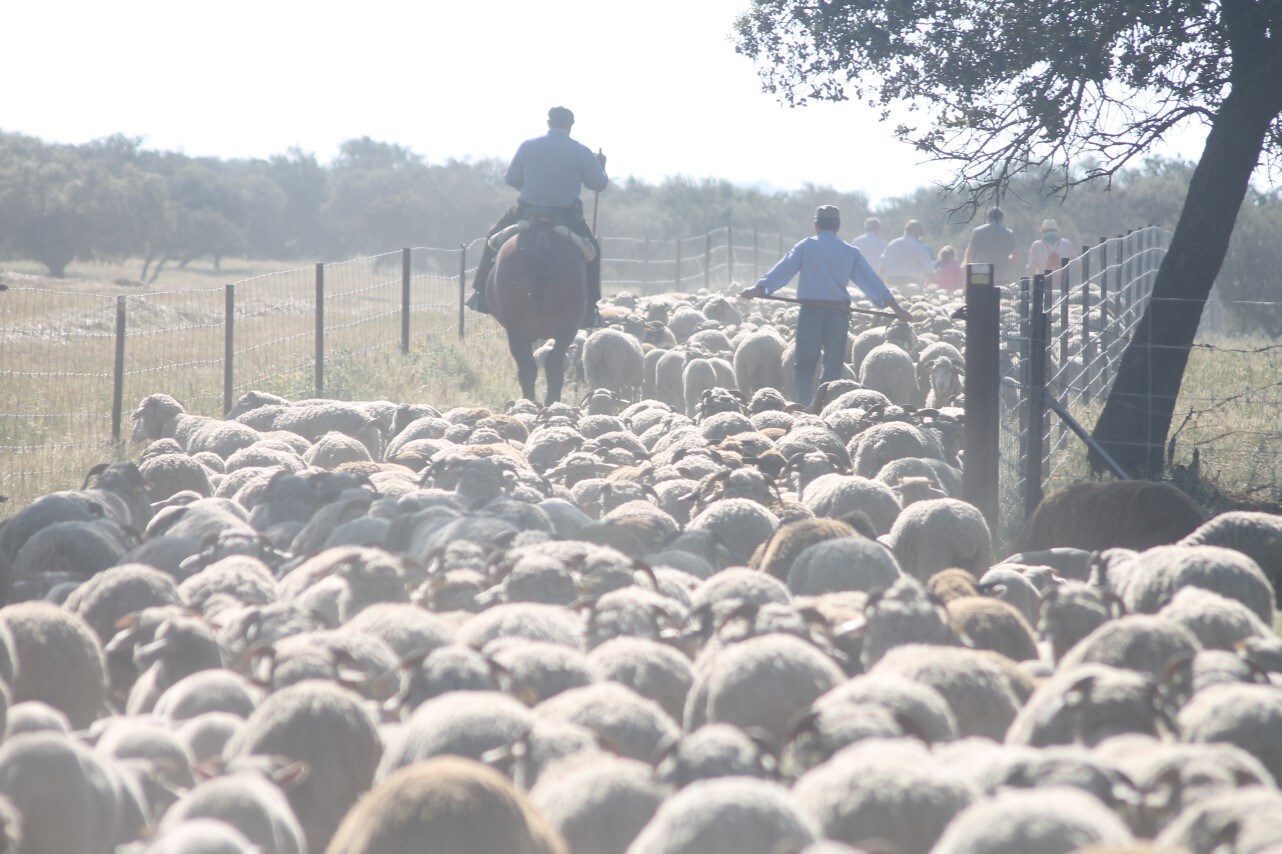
(549, 170)
(826, 263)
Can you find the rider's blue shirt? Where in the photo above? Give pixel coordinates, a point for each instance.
(826, 263)
(549, 170)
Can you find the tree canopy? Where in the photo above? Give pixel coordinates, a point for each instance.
(1001, 87)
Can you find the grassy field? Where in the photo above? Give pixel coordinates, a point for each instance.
(57, 351)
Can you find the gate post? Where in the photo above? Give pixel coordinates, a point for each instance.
(1035, 394)
(982, 386)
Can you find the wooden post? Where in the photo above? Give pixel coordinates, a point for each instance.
(118, 374)
(462, 291)
(676, 275)
(707, 260)
(1088, 346)
(729, 254)
(755, 274)
(405, 300)
(320, 330)
(229, 345)
(1035, 391)
(982, 384)
(1025, 380)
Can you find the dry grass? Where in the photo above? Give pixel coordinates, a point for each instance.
(57, 350)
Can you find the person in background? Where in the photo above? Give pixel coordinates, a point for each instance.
(948, 270)
(870, 243)
(907, 261)
(993, 243)
(1049, 252)
(826, 264)
(550, 171)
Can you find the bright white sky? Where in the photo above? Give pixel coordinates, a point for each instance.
(656, 84)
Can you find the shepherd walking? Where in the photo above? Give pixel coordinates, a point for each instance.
(826, 264)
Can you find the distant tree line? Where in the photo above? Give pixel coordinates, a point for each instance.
(113, 199)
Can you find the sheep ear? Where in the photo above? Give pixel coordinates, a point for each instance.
(288, 775)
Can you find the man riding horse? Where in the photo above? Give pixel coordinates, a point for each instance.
(549, 171)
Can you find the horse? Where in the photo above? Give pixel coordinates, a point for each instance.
(538, 289)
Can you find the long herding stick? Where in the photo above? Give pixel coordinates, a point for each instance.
(596, 198)
(849, 309)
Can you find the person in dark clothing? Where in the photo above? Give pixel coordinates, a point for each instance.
(550, 172)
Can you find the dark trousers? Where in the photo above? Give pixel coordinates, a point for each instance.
(819, 329)
(573, 218)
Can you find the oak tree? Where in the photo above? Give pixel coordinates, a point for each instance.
(998, 87)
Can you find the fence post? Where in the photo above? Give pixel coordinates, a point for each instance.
(320, 330)
(729, 254)
(1105, 344)
(229, 345)
(405, 300)
(1024, 378)
(1088, 346)
(707, 259)
(982, 386)
(118, 374)
(1035, 392)
(755, 275)
(462, 291)
(676, 276)
(645, 266)
(1065, 289)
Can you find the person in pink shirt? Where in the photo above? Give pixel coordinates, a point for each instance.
(948, 270)
(1049, 252)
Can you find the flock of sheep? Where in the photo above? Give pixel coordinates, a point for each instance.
(682, 617)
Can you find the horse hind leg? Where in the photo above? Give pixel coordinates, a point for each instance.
(527, 370)
(554, 366)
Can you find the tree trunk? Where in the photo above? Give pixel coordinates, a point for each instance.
(1132, 427)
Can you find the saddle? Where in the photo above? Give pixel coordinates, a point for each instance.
(585, 248)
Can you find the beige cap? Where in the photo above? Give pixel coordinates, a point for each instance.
(1050, 225)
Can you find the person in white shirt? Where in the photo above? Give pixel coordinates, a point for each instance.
(906, 259)
(1049, 252)
(870, 244)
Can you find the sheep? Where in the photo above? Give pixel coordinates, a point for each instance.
(1013, 586)
(837, 496)
(33, 716)
(59, 661)
(888, 369)
(168, 474)
(992, 624)
(207, 692)
(1050, 819)
(1134, 514)
(1071, 612)
(528, 620)
(1136, 642)
(313, 419)
(598, 803)
(633, 725)
(888, 790)
(1147, 582)
(452, 667)
(697, 377)
(113, 594)
(775, 557)
(614, 360)
(848, 563)
(533, 672)
(207, 736)
(715, 750)
(1216, 622)
(1246, 820)
(248, 800)
(651, 669)
(180, 647)
(731, 815)
(758, 361)
(1257, 535)
(760, 682)
(984, 690)
(467, 724)
(459, 805)
(64, 552)
(327, 728)
(738, 523)
(904, 614)
(202, 836)
(1248, 716)
(914, 706)
(945, 532)
(71, 800)
(1087, 704)
(405, 628)
(730, 588)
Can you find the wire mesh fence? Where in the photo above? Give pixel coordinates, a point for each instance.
(71, 364)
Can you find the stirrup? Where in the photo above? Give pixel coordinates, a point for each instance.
(476, 302)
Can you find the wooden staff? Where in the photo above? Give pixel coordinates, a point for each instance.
(836, 306)
(596, 197)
